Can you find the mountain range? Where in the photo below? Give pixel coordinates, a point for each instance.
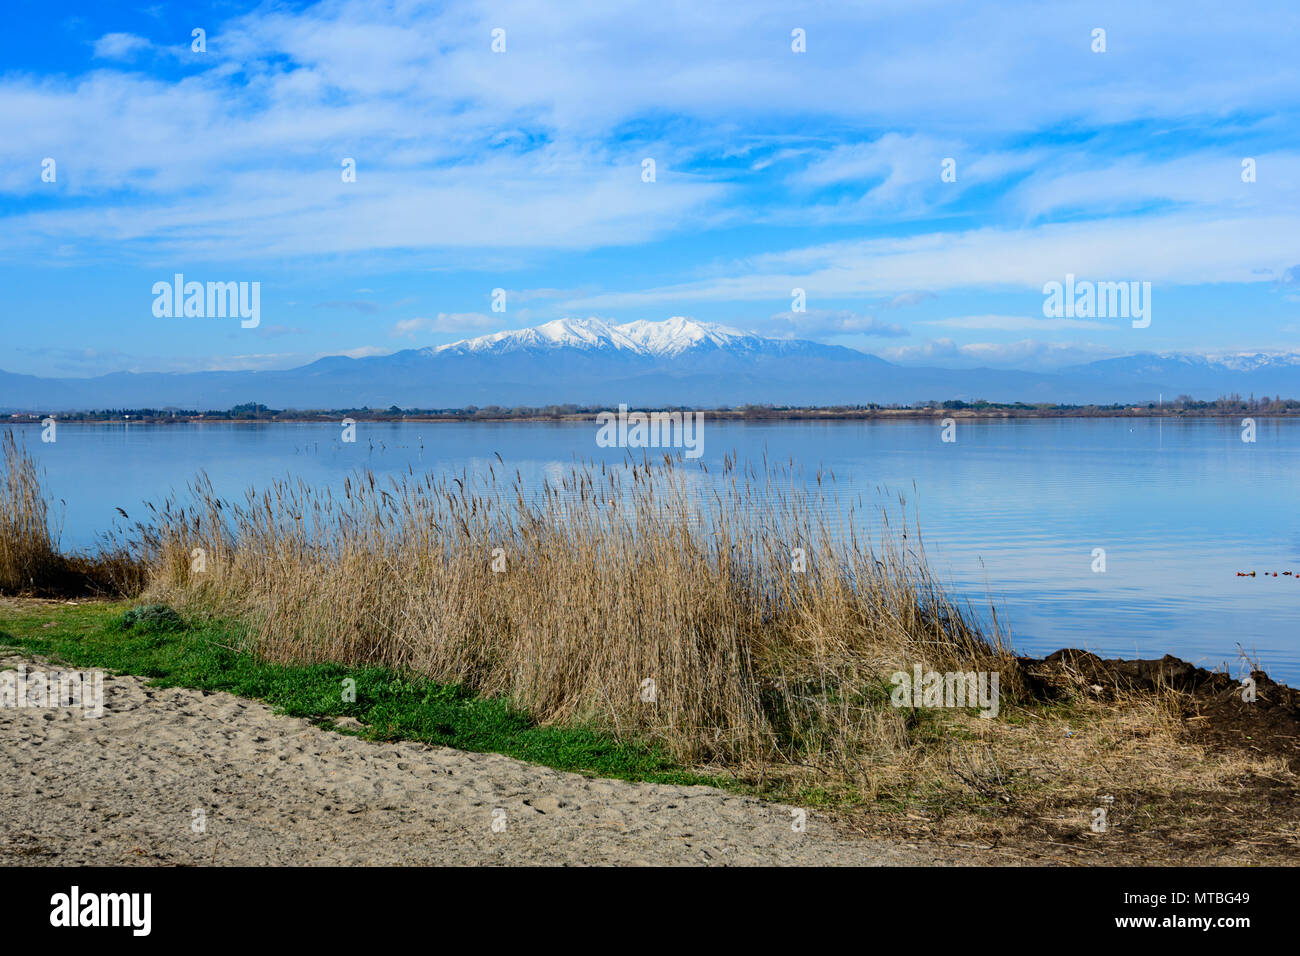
(651, 364)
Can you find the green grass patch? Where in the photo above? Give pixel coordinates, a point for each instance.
(154, 643)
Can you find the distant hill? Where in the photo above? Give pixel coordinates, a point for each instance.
(675, 362)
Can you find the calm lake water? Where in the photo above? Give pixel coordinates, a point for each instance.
(1012, 511)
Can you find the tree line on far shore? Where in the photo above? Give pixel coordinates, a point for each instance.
(1183, 405)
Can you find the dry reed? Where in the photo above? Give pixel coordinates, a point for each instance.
(30, 560)
(570, 597)
(28, 553)
(653, 599)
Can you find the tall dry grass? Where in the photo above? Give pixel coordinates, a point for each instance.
(30, 560)
(569, 598)
(615, 576)
(29, 557)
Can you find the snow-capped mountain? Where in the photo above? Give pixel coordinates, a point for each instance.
(653, 339)
(586, 335)
(677, 335)
(1201, 376)
(669, 363)
(1251, 361)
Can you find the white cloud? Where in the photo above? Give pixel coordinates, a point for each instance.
(901, 174)
(816, 322)
(1204, 179)
(1026, 354)
(457, 146)
(476, 161)
(1175, 248)
(1017, 323)
(908, 298)
(120, 46)
(446, 322)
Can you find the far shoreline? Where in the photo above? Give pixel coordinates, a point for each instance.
(254, 413)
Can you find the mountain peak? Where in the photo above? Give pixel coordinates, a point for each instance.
(679, 334)
(668, 338)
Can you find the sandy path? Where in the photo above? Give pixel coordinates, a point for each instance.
(277, 790)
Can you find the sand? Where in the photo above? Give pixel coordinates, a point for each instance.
(276, 790)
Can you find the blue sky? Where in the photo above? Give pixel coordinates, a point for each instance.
(522, 170)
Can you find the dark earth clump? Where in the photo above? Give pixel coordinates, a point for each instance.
(1213, 704)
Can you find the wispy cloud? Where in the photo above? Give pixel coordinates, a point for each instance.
(1017, 323)
(773, 170)
(1176, 248)
(120, 46)
(819, 322)
(1024, 353)
(446, 322)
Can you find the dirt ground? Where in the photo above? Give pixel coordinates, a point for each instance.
(182, 777)
(124, 788)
